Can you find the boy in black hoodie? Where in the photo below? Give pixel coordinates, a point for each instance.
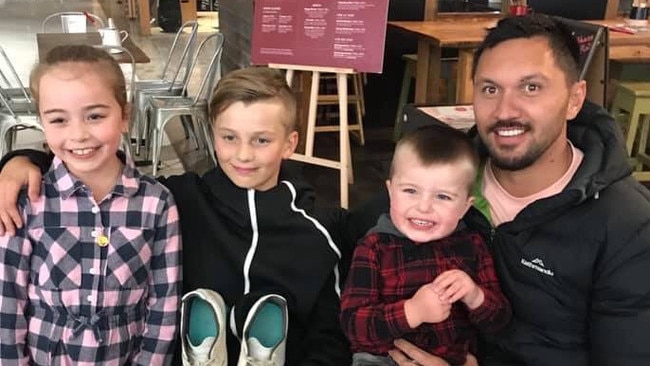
(254, 244)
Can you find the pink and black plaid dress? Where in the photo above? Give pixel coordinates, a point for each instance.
(90, 283)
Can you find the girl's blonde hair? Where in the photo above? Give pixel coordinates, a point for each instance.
(99, 59)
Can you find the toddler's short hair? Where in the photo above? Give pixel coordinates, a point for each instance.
(439, 144)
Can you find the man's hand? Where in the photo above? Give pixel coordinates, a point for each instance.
(426, 307)
(407, 354)
(18, 171)
(454, 285)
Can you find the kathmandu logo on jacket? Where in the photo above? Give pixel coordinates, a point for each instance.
(538, 265)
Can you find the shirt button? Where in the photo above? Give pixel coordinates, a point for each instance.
(91, 271)
(102, 241)
(90, 298)
(94, 210)
(94, 233)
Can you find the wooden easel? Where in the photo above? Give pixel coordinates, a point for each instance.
(345, 157)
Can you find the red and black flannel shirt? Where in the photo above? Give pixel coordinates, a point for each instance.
(387, 270)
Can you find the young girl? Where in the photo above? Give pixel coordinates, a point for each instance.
(93, 276)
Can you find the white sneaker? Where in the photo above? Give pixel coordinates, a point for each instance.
(197, 355)
(257, 351)
(211, 351)
(253, 352)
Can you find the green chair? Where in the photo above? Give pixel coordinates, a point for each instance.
(631, 108)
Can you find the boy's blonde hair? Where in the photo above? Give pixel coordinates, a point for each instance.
(439, 144)
(254, 84)
(100, 60)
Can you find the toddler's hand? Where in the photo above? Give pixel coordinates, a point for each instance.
(454, 285)
(426, 307)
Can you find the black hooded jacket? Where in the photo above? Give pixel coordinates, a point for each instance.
(238, 241)
(576, 266)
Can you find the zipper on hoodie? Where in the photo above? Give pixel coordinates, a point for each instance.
(254, 240)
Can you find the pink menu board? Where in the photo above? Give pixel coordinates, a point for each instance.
(328, 33)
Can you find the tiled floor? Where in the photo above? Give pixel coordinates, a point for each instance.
(20, 20)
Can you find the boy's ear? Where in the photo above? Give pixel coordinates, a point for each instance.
(292, 143)
(388, 187)
(470, 202)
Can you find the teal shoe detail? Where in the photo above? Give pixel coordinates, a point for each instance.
(268, 325)
(203, 322)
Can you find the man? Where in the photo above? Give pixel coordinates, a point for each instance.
(568, 226)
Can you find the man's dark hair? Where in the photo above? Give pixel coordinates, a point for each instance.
(562, 42)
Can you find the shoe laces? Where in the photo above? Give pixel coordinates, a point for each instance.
(250, 361)
(205, 363)
(208, 362)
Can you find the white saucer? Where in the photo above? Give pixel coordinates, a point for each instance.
(636, 22)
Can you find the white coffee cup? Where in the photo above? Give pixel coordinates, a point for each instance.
(113, 37)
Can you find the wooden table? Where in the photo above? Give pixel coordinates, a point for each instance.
(47, 41)
(630, 54)
(626, 48)
(466, 34)
(618, 39)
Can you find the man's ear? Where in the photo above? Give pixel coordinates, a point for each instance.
(577, 95)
